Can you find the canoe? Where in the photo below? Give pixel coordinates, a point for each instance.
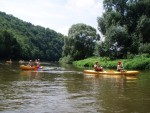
(112, 72)
(24, 67)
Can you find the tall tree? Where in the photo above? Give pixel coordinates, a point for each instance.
(80, 42)
(125, 25)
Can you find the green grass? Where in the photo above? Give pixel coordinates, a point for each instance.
(138, 62)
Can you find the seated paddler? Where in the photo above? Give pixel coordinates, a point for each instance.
(97, 67)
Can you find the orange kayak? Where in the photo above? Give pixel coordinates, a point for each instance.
(24, 67)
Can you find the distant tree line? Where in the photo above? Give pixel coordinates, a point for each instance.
(22, 40)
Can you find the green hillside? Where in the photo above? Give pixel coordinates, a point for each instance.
(23, 40)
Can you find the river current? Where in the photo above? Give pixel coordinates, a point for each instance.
(66, 89)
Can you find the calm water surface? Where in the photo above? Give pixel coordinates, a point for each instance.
(64, 89)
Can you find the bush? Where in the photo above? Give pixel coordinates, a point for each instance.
(144, 48)
(138, 62)
(66, 60)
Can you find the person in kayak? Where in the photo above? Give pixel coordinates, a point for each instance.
(119, 66)
(30, 63)
(37, 63)
(97, 67)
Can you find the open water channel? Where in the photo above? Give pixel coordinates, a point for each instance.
(65, 89)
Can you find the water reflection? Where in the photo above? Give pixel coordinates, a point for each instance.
(115, 78)
(120, 93)
(31, 75)
(67, 90)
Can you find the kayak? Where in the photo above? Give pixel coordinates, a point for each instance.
(24, 67)
(112, 72)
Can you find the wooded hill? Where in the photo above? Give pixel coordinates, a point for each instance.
(23, 40)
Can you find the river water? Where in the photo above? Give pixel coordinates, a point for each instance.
(65, 89)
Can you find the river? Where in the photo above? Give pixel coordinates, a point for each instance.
(66, 89)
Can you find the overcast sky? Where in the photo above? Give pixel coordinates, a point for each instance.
(58, 15)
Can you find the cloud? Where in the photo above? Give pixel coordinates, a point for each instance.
(59, 15)
(80, 5)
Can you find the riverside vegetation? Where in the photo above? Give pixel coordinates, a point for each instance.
(138, 62)
(124, 25)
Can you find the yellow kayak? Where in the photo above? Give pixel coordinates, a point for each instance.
(24, 67)
(112, 72)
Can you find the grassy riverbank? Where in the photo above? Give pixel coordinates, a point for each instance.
(137, 62)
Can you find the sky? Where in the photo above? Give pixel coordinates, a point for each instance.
(58, 15)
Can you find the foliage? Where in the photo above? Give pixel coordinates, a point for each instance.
(137, 62)
(144, 48)
(9, 47)
(143, 28)
(66, 60)
(117, 41)
(125, 24)
(89, 62)
(80, 42)
(22, 40)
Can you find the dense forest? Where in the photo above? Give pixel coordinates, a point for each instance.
(23, 40)
(125, 27)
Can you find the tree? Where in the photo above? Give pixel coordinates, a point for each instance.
(80, 42)
(26, 41)
(118, 41)
(125, 26)
(143, 29)
(9, 48)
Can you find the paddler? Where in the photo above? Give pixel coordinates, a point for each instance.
(97, 67)
(119, 66)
